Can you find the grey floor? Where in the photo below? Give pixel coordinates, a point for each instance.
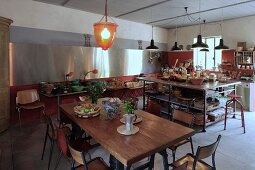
(22, 148)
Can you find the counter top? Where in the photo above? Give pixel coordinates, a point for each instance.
(204, 86)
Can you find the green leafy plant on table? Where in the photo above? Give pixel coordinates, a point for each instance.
(128, 107)
(96, 89)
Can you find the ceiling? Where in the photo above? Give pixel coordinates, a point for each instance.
(165, 13)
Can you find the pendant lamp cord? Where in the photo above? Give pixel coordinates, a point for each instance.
(105, 11)
(152, 31)
(221, 22)
(199, 17)
(176, 32)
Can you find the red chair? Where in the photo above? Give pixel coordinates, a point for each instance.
(62, 142)
(153, 107)
(233, 100)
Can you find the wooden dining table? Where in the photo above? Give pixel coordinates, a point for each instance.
(155, 135)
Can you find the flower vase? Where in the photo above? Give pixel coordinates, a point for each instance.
(129, 119)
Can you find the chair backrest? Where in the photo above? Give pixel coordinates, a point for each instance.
(62, 142)
(183, 117)
(27, 96)
(206, 151)
(153, 107)
(182, 167)
(78, 156)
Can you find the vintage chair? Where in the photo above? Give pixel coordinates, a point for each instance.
(93, 164)
(28, 100)
(62, 142)
(234, 99)
(195, 161)
(51, 134)
(63, 118)
(153, 107)
(185, 119)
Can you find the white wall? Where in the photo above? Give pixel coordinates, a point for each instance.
(235, 30)
(28, 13)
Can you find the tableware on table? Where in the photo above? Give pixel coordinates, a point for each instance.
(87, 110)
(122, 130)
(129, 119)
(138, 120)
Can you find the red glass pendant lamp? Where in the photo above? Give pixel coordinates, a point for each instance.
(105, 31)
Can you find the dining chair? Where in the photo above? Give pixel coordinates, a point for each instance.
(62, 142)
(50, 134)
(92, 164)
(28, 100)
(186, 119)
(195, 162)
(153, 107)
(63, 118)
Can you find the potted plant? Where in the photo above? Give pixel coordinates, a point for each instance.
(96, 89)
(129, 117)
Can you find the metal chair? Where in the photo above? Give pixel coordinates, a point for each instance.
(186, 119)
(234, 99)
(195, 161)
(62, 142)
(80, 157)
(28, 100)
(51, 135)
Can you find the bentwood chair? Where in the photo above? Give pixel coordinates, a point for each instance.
(51, 135)
(195, 161)
(28, 100)
(62, 142)
(185, 119)
(80, 157)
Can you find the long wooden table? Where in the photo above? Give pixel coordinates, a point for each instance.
(155, 135)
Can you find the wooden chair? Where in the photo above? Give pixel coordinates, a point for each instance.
(28, 100)
(153, 107)
(195, 161)
(185, 119)
(93, 164)
(51, 135)
(62, 142)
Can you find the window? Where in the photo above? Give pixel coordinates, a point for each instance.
(207, 60)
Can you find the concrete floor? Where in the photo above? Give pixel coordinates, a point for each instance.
(22, 147)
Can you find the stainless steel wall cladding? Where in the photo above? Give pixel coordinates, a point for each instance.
(34, 63)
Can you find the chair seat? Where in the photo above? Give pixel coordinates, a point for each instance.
(234, 96)
(173, 147)
(188, 158)
(95, 164)
(30, 106)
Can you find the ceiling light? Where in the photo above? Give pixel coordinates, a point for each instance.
(175, 47)
(204, 50)
(199, 43)
(105, 31)
(152, 46)
(221, 46)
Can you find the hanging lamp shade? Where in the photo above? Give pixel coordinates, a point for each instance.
(199, 43)
(152, 46)
(175, 47)
(105, 34)
(105, 31)
(204, 50)
(221, 46)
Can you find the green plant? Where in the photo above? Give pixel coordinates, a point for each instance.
(96, 89)
(128, 107)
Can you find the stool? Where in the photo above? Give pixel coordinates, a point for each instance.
(234, 100)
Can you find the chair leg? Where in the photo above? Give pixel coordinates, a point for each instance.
(242, 115)
(173, 154)
(191, 145)
(44, 144)
(226, 113)
(19, 118)
(51, 151)
(58, 160)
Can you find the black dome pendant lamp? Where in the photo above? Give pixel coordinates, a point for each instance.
(175, 47)
(152, 47)
(199, 43)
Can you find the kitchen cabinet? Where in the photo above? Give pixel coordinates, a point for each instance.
(4, 74)
(244, 59)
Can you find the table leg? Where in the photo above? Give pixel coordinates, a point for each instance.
(165, 159)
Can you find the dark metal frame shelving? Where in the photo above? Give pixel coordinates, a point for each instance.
(207, 89)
